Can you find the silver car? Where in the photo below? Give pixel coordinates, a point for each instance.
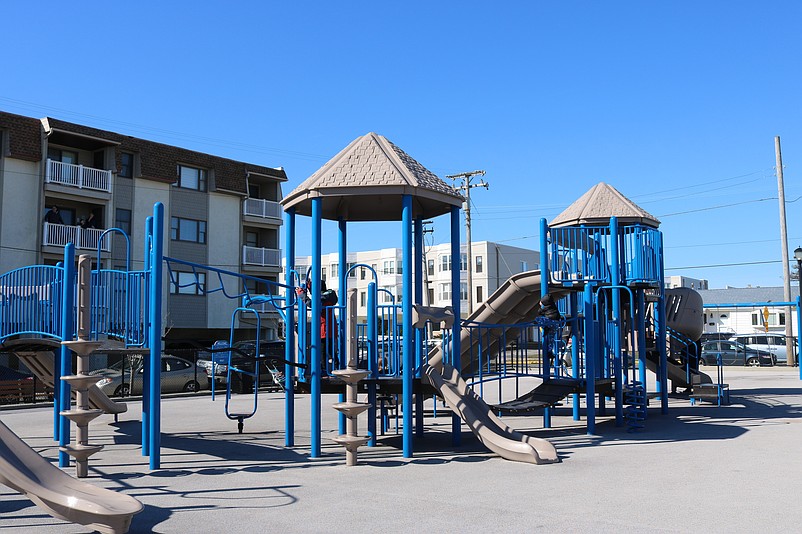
(177, 374)
(773, 343)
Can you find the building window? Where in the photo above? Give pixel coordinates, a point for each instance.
(335, 267)
(122, 220)
(445, 291)
(463, 262)
(187, 230)
(362, 273)
(430, 267)
(463, 291)
(351, 270)
(126, 165)
(430, 292)
(524, 266)
(251, 239)
(323, 273)
(363, 299)
(479, 265)
(479, 294)
(188, 283)
(389, 267)
(445, 263)
(191, 178)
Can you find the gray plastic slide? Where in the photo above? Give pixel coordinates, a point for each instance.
(41, 363)
(61, 495)
(491, 431)
(510, 303)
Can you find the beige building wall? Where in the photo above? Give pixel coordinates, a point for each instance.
(224, 250)
(22, 214)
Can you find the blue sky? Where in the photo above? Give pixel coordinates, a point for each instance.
(676, 104)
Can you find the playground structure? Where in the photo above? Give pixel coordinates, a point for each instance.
(601, 265)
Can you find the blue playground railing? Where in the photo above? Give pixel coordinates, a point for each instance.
(579, 254)
(641, 249)
(120, 305)
(30, 302)
(509, 351)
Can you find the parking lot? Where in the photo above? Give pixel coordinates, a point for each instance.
(703, 468)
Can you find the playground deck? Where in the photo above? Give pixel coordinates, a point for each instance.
(214, 480)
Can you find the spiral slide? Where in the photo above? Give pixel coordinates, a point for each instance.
(61, 495)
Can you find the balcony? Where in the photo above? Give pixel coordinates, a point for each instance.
(58, 235)
(264, 209)
(77, 176)
(262, 257)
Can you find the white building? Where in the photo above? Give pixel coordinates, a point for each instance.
(746, 320)
(685, 281)
(492, 263)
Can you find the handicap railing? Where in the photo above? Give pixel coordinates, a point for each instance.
(499, 352)
(120, 304)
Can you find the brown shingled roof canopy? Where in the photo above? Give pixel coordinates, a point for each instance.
(367, 180)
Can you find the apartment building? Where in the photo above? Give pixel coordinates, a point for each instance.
(492, 264)
(685, 281)
(218, 212)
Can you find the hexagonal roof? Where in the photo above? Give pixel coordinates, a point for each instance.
(601, 202)
(367, 180)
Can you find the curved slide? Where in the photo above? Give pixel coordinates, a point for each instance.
(510, 303)
(42, 364)
(491, 431)
(61, 495)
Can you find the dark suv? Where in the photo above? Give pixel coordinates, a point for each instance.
(243, 358)
(733, 353)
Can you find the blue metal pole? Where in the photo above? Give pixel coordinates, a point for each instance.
(370, 336)
(146, 368)
(419, 332)
(289, 328)
(615, 268)
(574, 302)
(64, 366)
(798, 304)
(406, 309)
(316, 359)
(157, 256)
(590, 359)
(660, 312)
(640, 297)
(341, 347)
(456, 357)
(544, 289)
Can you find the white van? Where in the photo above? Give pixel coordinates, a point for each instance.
(774, 343)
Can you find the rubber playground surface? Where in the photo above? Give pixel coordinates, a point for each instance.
(735, 468)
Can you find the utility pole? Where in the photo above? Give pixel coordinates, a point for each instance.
(427, 229)
(466, 186)
(789, 343)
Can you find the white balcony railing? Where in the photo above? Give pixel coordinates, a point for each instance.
(77, 176)
(258, 207)
(58, 235)
(261, 256)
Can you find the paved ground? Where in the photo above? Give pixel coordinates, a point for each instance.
(701, 468)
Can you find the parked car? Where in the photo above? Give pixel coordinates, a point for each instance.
(243, 358)
(125, 377)
(773, 343)
(17, 386)
(733, 353)
(715, 336)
